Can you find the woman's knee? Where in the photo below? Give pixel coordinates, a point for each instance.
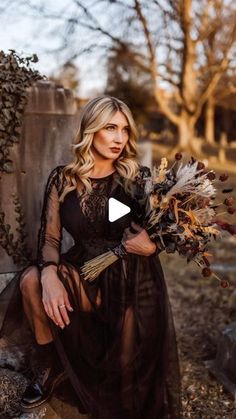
(29, 280)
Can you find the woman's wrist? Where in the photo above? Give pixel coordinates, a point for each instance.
(48, 263)
(47, 268)
(47, 274)
(154, 248)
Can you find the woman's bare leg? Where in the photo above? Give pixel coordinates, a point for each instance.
(33, 306)
(83, 301)
(32, 301)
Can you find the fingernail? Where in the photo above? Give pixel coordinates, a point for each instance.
(67, 323)
(71, 309)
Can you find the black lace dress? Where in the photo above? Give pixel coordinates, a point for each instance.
(119, 350)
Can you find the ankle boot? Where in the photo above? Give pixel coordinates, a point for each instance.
(47, 375)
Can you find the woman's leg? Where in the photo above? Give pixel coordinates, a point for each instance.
(47, 371)
(33, 307)
(73, 281)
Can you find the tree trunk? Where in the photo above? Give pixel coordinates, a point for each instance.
(186, 135)
(210, 121)
(186, 132)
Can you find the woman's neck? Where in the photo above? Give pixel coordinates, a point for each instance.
(101, 171)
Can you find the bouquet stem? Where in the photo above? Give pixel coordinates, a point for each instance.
(92, 268)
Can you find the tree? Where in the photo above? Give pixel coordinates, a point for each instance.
(130, 83)
(186, 46)
(221, 34)
(68, 76)
(224, 91)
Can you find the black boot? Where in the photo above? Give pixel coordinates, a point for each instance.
(48, 374)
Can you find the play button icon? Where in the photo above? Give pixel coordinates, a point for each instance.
(116, 209)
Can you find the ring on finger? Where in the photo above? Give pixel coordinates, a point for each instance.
(61, 306)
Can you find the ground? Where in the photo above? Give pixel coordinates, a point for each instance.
(201, 310)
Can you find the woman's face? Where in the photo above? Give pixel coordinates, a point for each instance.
(114, 134)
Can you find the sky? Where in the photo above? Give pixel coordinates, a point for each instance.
(26, 36)
(22, 31)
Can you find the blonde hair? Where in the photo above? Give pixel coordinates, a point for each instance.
(95, 115)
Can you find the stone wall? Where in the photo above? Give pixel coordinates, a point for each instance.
(49, 127)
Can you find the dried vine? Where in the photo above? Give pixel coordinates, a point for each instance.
(17, 249)
(15, 77)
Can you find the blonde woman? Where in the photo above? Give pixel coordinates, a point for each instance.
(112, 339)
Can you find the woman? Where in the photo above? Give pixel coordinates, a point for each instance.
(112, 338)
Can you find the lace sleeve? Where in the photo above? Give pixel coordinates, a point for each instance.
(50, 232)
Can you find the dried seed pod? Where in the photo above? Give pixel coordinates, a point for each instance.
(211, 176)
(206, 272)
(229, 201)
(223, 177)
(200, 165)
(224, 283)
(178, 156)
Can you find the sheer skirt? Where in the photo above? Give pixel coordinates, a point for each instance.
(119, 350)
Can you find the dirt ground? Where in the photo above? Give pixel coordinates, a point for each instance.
(201, 310)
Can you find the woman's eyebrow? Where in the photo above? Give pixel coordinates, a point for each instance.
(115, 125)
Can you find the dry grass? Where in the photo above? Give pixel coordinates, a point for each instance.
(201, 311)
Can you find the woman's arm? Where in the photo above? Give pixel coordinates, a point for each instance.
(135, 238)
(138, 242)
(54, 294)
(49, 236)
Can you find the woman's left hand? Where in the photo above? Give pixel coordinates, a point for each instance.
(139, 242)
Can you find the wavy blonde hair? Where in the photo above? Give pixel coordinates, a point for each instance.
(94, 116)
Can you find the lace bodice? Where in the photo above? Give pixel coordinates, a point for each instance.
(94, 206)
(83, 215)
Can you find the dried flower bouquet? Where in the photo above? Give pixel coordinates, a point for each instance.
(179, 213)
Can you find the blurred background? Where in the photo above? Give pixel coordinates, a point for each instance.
(173, 63)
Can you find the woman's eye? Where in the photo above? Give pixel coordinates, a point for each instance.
(112, 128)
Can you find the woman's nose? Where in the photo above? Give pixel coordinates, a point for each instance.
(119, 137)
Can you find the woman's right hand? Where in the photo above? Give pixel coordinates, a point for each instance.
(54, 294)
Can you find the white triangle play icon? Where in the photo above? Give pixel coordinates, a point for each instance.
(116, 209)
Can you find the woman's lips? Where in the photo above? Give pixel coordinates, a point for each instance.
(115, 150)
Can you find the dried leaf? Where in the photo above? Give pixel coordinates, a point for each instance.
(16, 76)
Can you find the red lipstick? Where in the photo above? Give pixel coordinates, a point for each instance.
(115, 150)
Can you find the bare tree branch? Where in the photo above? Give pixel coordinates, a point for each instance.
(190, 49)
(153, 67)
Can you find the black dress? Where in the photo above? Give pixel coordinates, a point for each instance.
(119, 350)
